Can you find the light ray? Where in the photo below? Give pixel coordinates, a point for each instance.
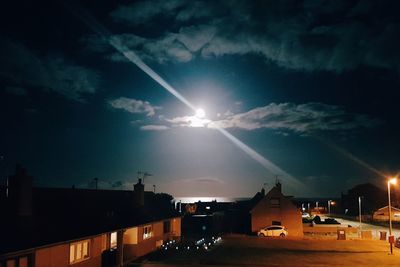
(267, 164)
(349, 156)
(94, 25)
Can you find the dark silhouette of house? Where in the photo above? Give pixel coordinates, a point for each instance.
(373, 198)
(56, 227)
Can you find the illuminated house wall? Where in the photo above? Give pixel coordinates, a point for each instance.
(275, 208)
(382, 214)
(143, 239)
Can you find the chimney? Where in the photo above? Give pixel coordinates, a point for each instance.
(138, 193)
(262, 192)
(278, 185)
(20, 192)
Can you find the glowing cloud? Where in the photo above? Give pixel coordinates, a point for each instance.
(194, 120)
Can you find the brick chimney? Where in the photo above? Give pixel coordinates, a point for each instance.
(20, 192)
(138, 193)
(278, 185)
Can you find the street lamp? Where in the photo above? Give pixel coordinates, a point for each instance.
(359, 209)
(359, 212)
(329, 206)
(392, 181)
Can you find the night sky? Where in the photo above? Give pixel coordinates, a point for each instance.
(312, 86)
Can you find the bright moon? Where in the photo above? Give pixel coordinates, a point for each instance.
(200, 113)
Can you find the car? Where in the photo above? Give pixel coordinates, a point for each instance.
(273, 230)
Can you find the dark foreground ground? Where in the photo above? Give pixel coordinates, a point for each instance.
(254, 251)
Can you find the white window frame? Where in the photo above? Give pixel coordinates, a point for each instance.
(74, 246)
(113, 245)
(147, 231)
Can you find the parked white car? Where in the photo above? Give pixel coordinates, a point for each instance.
(273, 230)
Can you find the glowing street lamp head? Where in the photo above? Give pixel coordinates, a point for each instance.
(200, 113)
(393, 180)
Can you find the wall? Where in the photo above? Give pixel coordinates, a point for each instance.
(134, 244)
(176, 226)
(263, 214)
(58, 256)
(383, 215)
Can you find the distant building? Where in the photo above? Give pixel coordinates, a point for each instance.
(277, 209)
(372, 198)
(382, 214)
(57, 227)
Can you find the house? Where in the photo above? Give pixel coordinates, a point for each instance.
(382, 214)
(276, 209)
(57, 227)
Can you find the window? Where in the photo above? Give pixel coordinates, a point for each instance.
(147, 232)
(113, 240)
(79, 251)
(274, 228)
(18, 261)
(167, 227)
(275, 202)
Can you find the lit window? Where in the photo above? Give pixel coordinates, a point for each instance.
(113, 240)
(79, 251)
(147, 232)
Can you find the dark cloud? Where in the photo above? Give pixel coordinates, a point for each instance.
(144, 12)
(134, 106)
(22, 67)
(15, 90)
(303, 35)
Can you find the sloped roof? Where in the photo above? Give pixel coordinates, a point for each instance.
(386, 208)
(274, 192)
(62, 215)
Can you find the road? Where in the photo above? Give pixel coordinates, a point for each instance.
(366, 226)
(252, 251)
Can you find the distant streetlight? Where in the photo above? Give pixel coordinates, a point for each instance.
(392, 181)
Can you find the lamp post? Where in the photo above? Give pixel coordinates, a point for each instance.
(392, 181)
(359, 212)
(329, 206)
(359, 209)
